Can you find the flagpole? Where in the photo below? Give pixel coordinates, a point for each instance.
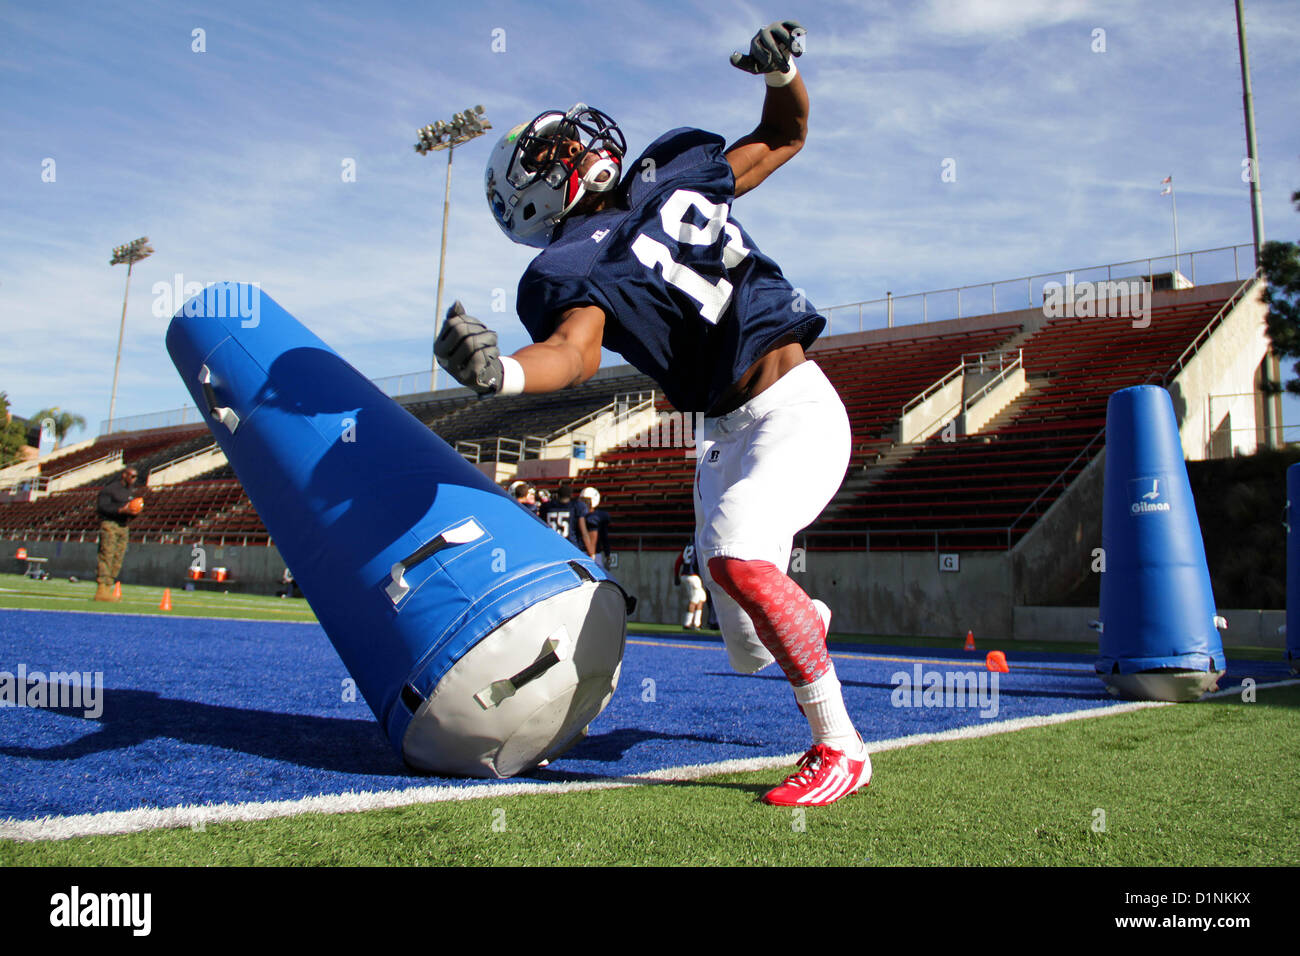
(1173, 198)
(1168, 183)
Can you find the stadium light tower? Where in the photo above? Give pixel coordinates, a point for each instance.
(440, 135)
(131, 253)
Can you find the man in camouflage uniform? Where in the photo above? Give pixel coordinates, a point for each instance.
(113, 516)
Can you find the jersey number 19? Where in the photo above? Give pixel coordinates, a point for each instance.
(713, 297)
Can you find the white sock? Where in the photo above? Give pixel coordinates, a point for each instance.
(697, 619)
(687, 621)
(823, 704)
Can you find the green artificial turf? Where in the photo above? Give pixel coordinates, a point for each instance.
(23, 593)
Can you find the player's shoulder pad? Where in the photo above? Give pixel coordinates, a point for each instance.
(678, 152)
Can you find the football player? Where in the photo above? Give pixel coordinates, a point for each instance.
(597, 527)
(526, 497)
(687, 570)
(645, 259)
(568, 516)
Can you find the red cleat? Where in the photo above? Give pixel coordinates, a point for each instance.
(824, 775)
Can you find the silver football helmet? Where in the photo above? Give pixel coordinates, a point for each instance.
(536, 174)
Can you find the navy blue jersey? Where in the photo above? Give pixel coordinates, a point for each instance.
(563, 517)
(598, 521)
(688, 298)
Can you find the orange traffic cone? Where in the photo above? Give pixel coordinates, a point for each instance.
(166, 603)
(117, 590)
(997, 661)
(970, 640)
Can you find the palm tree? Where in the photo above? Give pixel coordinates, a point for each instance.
(12, 433)
(63, 422)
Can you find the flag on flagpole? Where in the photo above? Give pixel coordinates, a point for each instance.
(1168, 183)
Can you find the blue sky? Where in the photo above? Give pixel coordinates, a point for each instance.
(231, 159)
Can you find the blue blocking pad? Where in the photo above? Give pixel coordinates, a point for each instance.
(482, 640)
(1157, 607)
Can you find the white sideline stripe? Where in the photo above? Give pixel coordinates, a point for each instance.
(157, 818)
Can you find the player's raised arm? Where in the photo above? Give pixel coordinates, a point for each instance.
(783, 126)
(468, 350)
(571, 354)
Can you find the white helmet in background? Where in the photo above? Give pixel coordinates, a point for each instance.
(592, 495)
(532, 181)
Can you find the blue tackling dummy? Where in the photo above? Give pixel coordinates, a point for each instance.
(483, 641)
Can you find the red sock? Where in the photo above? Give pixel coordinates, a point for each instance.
(784, 617)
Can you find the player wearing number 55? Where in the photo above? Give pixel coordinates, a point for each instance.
(644, 258)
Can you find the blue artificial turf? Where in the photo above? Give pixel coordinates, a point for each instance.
(209, 711)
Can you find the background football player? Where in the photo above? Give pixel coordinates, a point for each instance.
(597, 527)
(655, 268)
(568, 515)
(687, 570)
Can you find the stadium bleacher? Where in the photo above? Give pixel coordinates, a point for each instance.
(144, 450)
(965, 493)
(522, 416)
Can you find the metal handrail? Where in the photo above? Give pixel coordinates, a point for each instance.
(30, 483)
(629, 411)
(948, 377)
(890, 301)
(1052, 484)
(171, 418)
(971, 359)
(613, 406)
(111, 456)
(1203, 336)
(995, 381)
(176, 461)
(504, 447)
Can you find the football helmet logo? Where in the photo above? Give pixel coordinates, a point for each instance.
(539, 171)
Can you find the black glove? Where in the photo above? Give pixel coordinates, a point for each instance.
(771, 48)
(467, 349)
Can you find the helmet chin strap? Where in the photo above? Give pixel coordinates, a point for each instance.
(601, 176)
